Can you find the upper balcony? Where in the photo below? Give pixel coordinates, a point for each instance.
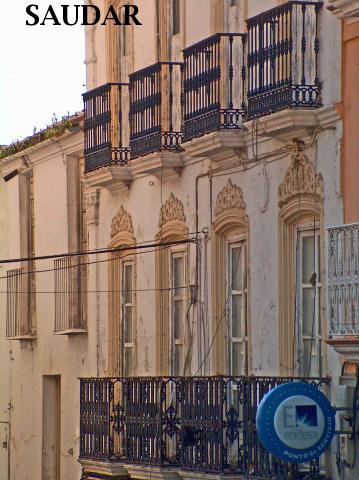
(181, 427)
(282, 62)
(214, 84)
(343, 289)
(155, 109)
(106, 113)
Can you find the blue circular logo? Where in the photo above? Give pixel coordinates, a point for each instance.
(295, 422)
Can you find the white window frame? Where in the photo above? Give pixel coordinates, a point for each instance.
(125, 305)
(307, 231)
(180, 296)
(233, 243)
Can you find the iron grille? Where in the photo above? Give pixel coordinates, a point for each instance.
(200, 424)
(105, 126)
(68, 273)
(343, 280)
(214, 83)
(155, 109)
(283, 49)
(19, 300)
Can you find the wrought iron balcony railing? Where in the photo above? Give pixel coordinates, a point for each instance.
(214, 82)
(105, 125)
(203, 424)
(155, 109)
(343, 280)
(282, 63)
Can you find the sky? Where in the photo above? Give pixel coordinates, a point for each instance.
(42, 69)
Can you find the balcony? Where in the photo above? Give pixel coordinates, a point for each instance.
(192, 425)
(155, 109)
(343, 290)
(105, 122)
(214, 83)
(282, 62)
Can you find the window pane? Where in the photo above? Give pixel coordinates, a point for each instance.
(176, 17)
(128, 283)
(178, 274)
(308, 264)
(128, 367)
(308, 311)
(178, 360)
(236, 268)
(310, 351)
(178, 319)
(236, 315)
(237, 359)
(128, 324)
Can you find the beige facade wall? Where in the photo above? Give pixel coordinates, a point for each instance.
(258, 217)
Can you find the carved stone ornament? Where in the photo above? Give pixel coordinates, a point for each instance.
(301, 178)
(121, 222)
(172, 210)
(91, 206)
(231, 197)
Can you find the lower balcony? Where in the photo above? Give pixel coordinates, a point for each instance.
(187, 427)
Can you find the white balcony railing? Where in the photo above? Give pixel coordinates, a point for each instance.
(343, 280)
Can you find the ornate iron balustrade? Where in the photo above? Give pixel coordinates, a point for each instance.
(214, 83)
(282, 61)
(155, 109)
(343, 280)
(106, 112)
(201, 424)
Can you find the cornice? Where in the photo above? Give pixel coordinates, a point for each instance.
(344, 9)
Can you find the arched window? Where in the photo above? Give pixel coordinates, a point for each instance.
(173, 357)
(122, 331)
(300, 268)
(230, 283)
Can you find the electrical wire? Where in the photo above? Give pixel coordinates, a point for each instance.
(143, 245)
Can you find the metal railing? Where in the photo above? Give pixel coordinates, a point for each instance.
(343, 280)
(201, 424)
(20, 301)
(69, 276)
(105, 126)
(282, 62)
(214, 83)
(155, 109)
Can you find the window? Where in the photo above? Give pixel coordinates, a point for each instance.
(20, 314)
(177, 311)
(234, 3)
(237, 306)
(308, 302)
(176, 17)
(127, 317)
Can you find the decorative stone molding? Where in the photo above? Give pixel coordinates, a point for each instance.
(121, 222)
(92, 201)
(231, 197)
(344, 9)
(172, 210)
(301, 177)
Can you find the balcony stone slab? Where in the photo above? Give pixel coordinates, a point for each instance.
(296, 123)
(348, 346)
(344, 9)
(141, 472)
(114, 470)
(163, 164)
(222, 147)
(114, 178)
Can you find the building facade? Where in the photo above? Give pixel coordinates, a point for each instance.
(188, 210)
